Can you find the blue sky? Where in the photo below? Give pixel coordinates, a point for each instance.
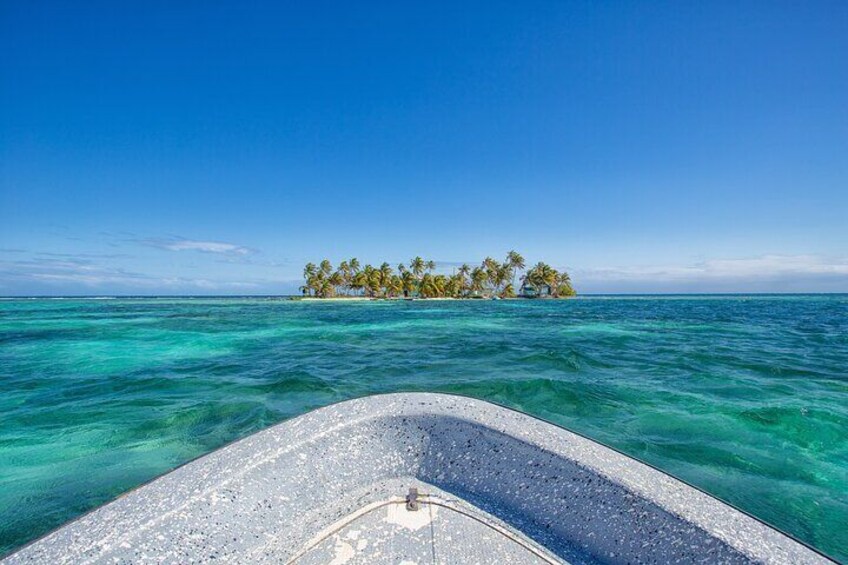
(201, 147)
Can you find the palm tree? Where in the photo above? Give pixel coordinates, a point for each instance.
(455, 285)
(428, 288)
(430, 265)
(353, 267)
(478, 280)
(386, 273)
(564, 287)
(359, 281)
(417, 265)
(491, 267)
(314, 283)
(463, 272)
(313, 279)
(502, 276)
(395, 286)
(551, 277)
(310, 270)
(539, 276)
(536, 276)
(326, 267)
(515, 262)
(367, 279)
(375, 282)
(543, 275)
(440, 283)
(326, 288)
(344, 269)
(336, 280)
(410, 283)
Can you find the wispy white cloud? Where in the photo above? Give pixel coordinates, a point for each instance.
(83, 256)
(67, 269)
(755, 268)
(181, 244)
(85, 273)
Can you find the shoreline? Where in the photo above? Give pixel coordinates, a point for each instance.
(401, 298)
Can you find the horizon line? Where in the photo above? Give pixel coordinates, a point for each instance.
(585, 294)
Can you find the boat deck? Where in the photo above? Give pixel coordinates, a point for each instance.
(442, 529)
(494, 485)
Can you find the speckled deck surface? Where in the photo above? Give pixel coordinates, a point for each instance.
(329, 487)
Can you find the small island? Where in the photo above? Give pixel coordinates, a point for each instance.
(490, 280)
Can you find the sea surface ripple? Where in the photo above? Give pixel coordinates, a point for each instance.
(743, 396)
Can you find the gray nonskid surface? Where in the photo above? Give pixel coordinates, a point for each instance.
(328, 487)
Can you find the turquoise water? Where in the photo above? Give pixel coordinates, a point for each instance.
(744, 396)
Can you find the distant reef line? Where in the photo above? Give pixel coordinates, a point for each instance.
(491, 279)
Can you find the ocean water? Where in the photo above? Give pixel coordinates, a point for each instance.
(743, 396)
